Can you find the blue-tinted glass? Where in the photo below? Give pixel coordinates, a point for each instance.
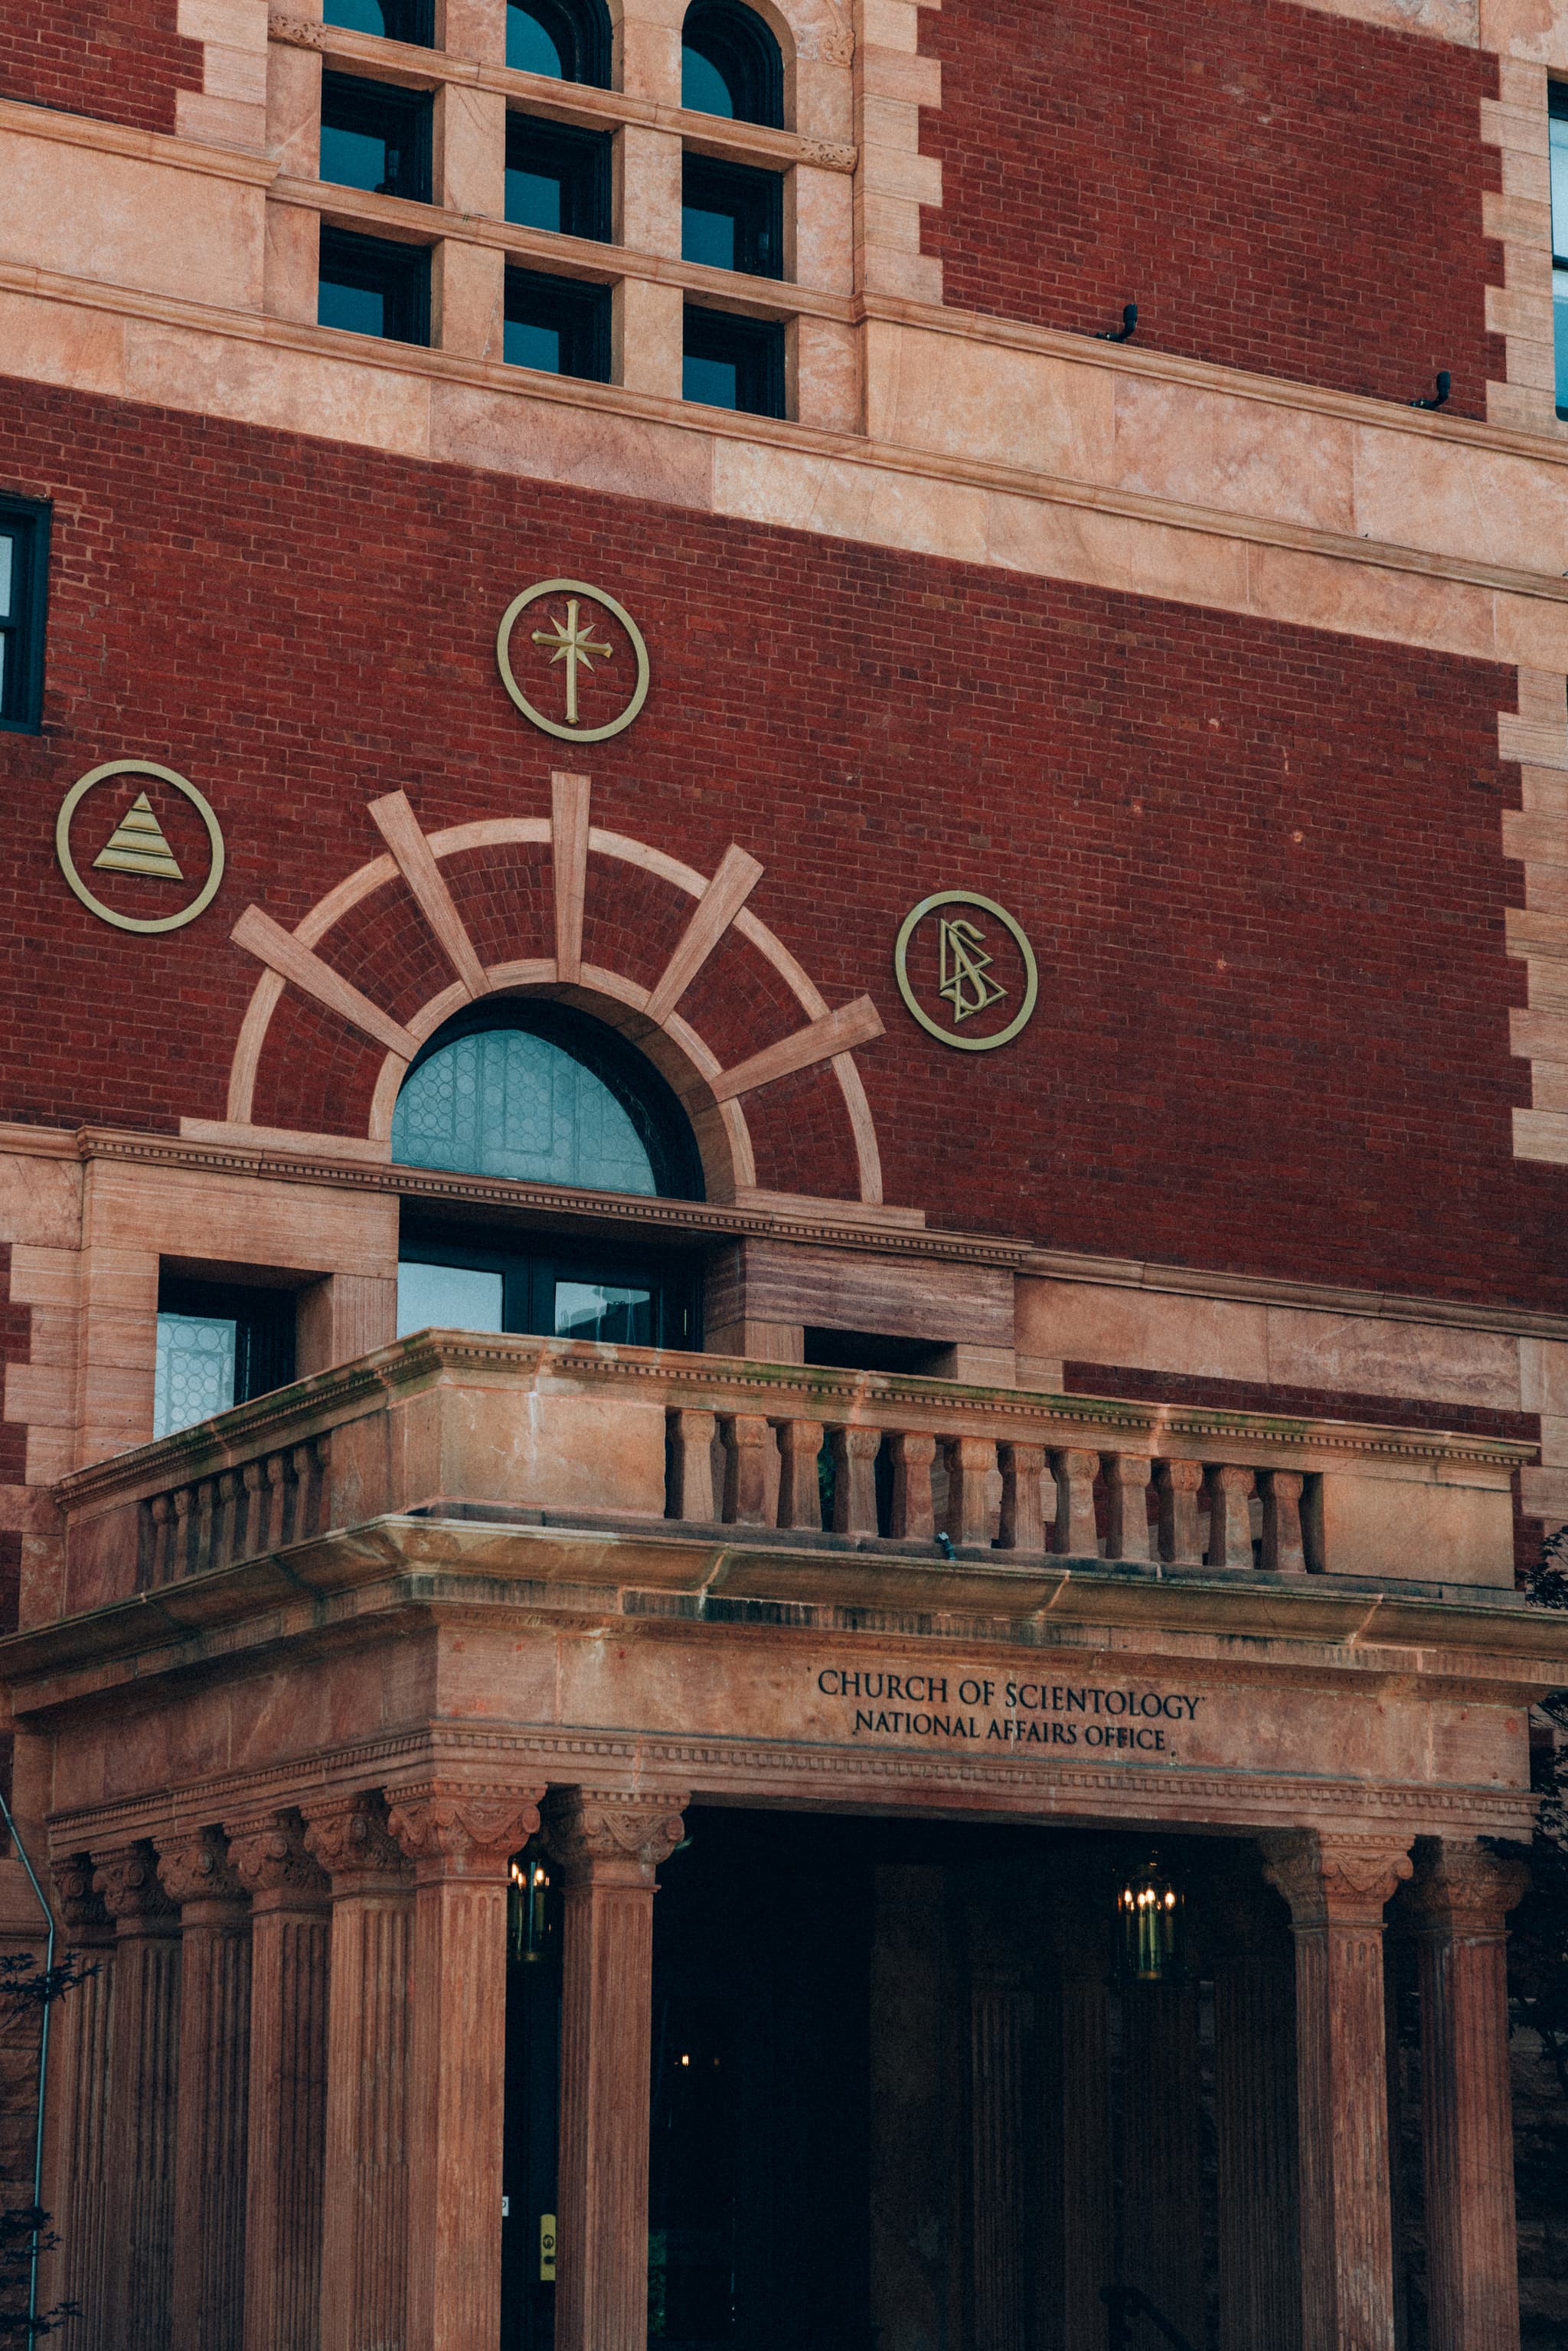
(713, 382)
(702, 87)
(530, 48)
(533, 198)
(506, 1103)
(603, 1311)
(356, 15)
(195, 1373)
(361, 309)
(1559, 251)
(7, 559)
(1559, 323)
(447, 1298)
(707, 237)
(527, 345)
(352, 158)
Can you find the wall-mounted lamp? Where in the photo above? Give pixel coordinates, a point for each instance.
(1445, 385)
(1126, 331)
(1150, 1909)
(527, 1907)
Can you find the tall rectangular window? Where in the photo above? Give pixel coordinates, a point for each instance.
(558, 324)
(557, 178)
(732, 362)
(372, 286)
(24, 589)
(376, 137)
(1557, 93)
(732, 217)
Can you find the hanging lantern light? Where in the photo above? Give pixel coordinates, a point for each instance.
(1150, 1909)
(527, 1906)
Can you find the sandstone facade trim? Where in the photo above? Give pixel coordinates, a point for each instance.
(1519, 218)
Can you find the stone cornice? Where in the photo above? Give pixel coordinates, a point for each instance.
(140, 146)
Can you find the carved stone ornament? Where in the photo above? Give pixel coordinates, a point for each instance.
(1461, 1888)
(834, 49)
(350, 1837)
(127, 1878)
(470, 1828)
(593, 1825)
(1330, 1878)
(299, 31)
(77, 1898)
(273, 1862)
(829, 154)
(197, 1868)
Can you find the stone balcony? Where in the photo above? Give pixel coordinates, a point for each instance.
(705, 1486)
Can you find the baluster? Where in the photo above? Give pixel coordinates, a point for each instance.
(320, 1482)
(1284, 1552)
(1230, 1520)
(1026, 1501)
(307, 1486)
(799, 1487)
(913, 1517)
(276, 1500)
(855, 1454)
(1076, 1532)
(226, 1514)
(970, 1462)
(746, 1437)
(691, 1436)
(202, 1546)
(1176, 1485)
(180, 1549)
(1127, 1490)
(250, 1512)
(161, 1513)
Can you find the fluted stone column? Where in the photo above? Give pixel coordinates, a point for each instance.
(1255, 2120)
(143, 2080)
(286, 2139)
(999, 2031)
(83, 2084)
(608, 1847)
(364, 2237)
(1460, 1899)
(1336, 1886)
(460, 1838)
(214, 2073)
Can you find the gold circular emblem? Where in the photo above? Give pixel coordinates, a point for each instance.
(963, 970)
(137, 846)
(570, 639)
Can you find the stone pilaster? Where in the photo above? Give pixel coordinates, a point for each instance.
(1460, 1899)
(1336, 1886)
(998, 2282)
(460, 1838)
(364, 2238)
(214, 2075)
(1255, 2120)
(608, 1847)
(286, 2134)
(83, 2083)
(143, 2085)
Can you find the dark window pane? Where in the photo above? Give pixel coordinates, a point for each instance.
(392, 20)
(375, 138)
(530, 48)
(557, 178)
(5, 663)
(527, 342)
(7, 572)
(730, 63)
(352, 158)
(734, 362)
(716, 382)
(702, 87)
(361, 310)
(568, 39)
(355, 16)
(372, 287)
(707, 238)
(732, 217)
(558, 324)
(24, 582)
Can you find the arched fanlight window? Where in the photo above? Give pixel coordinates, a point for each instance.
(538, 1092)
(731, 64)
(568, 39)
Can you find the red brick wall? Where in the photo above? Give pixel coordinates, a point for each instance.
(1261, 865)
(1276, 188)
(121, 61)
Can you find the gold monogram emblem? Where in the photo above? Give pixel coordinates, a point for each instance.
(966, 946)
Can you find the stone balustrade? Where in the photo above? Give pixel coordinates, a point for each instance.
(464, 1426)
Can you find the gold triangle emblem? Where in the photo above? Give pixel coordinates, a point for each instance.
(137, 845)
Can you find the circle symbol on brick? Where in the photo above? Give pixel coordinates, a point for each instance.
(570, 634)
(969, 956)
(136, 844)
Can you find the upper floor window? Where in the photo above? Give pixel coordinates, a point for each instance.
(372, 286)
(731, 64)
(568, 39)
(24, 588)
(545, 1095)
(557, 178)
(219, 1343)
(558, 324)
(731, 363)
(732, 217)
(390, 20)
(375, 137)
(1557, 93)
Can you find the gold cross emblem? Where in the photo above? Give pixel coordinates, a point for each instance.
(964, 965)
(572, 645)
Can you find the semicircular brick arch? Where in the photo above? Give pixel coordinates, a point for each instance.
(825, 1037)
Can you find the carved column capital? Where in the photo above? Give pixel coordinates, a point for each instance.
(1460, 1888)
(454, 1828)
(81, 1904)
(1331, 1877)
(350, 1837)
(272, 1864)
(590, 1830)
(195, 1867)
(126, 1876)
